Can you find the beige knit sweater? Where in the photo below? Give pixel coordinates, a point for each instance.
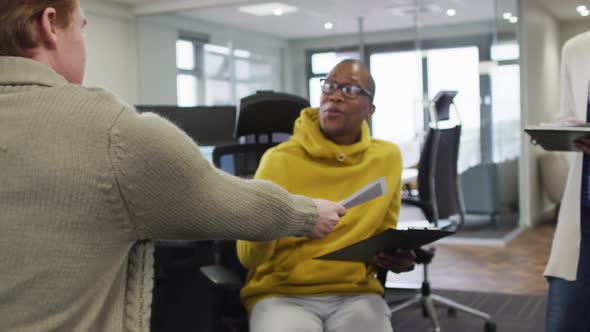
(86, 183)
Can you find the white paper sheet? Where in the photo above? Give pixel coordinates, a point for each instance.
(366, 193)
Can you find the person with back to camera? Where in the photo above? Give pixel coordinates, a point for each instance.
(87, 183)
(330, 155)
(568, 269)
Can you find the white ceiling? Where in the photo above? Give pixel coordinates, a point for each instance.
(378, 15)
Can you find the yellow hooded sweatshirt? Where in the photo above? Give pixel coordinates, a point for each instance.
(310, 164)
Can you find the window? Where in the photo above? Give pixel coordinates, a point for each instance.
(231, 76)
(188, 73)
(321, 64)
(404, 93)
(488, 101)
(211, 75)
(505, 101)
(398, 101)
(458, 69)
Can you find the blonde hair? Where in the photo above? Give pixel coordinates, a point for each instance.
(19, 20)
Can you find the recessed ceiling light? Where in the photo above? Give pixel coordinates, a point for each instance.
(513, 19)
(328, 25)
(451, 12)
(507, 16)
(585, 13)
(581, 8)
(268, 9)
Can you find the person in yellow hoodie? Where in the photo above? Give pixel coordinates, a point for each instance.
(330, 155)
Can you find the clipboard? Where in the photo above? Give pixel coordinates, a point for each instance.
(556, 137)
(390, 239)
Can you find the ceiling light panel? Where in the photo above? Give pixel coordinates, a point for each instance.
(411, 10)
(268, 9)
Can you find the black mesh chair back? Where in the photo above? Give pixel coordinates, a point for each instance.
(449, 198)
(442, 104)
(439, 188)
(265, 120)
(240, 159)
(227, 274)
(267, 114)
(426, 169)
(440, 197)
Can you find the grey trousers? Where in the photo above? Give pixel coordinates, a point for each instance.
(357, 313)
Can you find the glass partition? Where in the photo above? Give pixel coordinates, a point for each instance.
(414, 49)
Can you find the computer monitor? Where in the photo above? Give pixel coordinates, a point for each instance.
(206, 125)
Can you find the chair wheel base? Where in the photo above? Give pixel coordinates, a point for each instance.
(424, 311)
(452, 312)
(489, 327)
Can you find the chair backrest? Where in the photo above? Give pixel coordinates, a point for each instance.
(439, 186)
(426, 171)
(442, 104)
(267, 113)
(264, 113)
(240, 159)
(449, 197)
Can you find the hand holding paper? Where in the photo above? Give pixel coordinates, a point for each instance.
(329, 214)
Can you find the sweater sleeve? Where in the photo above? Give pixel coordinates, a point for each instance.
(172, 192)
(252, 254)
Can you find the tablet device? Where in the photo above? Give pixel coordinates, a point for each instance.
(388, 240)
(556, 137)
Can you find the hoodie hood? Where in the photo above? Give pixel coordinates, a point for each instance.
(308, 135)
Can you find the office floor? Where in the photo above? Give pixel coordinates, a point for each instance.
(483, 227)
(516, 268)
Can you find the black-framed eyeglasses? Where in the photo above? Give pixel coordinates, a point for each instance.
(348, 90)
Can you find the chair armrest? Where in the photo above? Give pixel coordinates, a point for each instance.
(410, 200)
(221, 277)
(447, 225)
(416, 202)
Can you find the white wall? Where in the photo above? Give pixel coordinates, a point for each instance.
(540, 97)
(157, 59)
(112, 51)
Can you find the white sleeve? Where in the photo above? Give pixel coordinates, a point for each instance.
(566, 105)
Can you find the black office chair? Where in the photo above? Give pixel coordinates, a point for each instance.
(265, 119)
(268, 116)
(240, 159)
(439, 198)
